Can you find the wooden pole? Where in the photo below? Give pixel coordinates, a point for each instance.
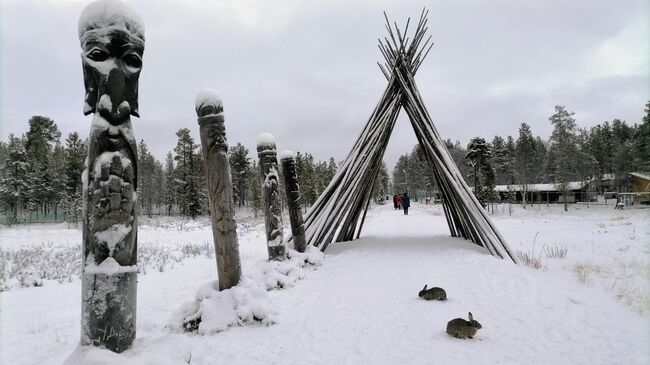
(209, 110)
(292, 189)
(267, 155)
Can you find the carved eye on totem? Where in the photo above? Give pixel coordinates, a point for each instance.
(97, 55)
(133, 60)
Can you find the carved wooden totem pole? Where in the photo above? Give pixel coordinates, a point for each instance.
(292, 189)
(267, 155)
(209, 109)
(112, 43)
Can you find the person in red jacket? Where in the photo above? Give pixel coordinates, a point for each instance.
(399, 202)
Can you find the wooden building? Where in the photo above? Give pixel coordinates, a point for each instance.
(639, 190)
(545, 193)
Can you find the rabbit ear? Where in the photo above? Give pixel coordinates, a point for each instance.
(425, 287)
(471, 318)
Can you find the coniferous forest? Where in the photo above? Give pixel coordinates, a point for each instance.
(41, 171)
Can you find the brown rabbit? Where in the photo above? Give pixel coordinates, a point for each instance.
(433, 293)
(461, 328)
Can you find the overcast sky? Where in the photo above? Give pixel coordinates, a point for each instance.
(306, 71)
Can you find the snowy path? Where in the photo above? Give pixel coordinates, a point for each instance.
(361, 306)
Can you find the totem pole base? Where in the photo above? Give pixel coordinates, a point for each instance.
(277, 253)
(108, 308)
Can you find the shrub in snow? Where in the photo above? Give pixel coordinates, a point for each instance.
(529, 259)
(586, 272)
(197, 249)
(29, 277)
(31, 266)
(34, 266)
(555, 252)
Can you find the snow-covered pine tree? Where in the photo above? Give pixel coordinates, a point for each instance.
(477, 150)
(479, 156)
(240, 169)
(42, 136)
(169, 198)
(563, 149)
(331, 169)
(254, 187)
(186, 174)
(400, 174)
(500, 160)
(305, 170)
(457, 152)
(160, 182)
(540, 159)
(622, 153)
(511, 153)
(4, 151)
(14, 184)
(586, 168)
(525, 161)
(642, 142)
(146, 179)
(75, 155)
(56, 171)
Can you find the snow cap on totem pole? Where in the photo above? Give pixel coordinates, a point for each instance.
(208, 102)
(113, 14)
(286, 155)
(265, 143)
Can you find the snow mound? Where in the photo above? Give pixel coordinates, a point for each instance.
(284, 274)
(110, 13)
(286, 155)
(265, 139)
(208, 96)
(214, 311)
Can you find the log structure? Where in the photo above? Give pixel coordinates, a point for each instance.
(292, 190)
(267, 155)
(209, 109)
(329, 221)
(112, 43)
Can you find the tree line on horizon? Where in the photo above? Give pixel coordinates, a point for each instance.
(569, 154)
(40, 175)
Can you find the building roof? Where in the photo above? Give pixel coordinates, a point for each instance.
(574, 185)
(640, 175)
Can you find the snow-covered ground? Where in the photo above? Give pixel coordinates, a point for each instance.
(361, 306)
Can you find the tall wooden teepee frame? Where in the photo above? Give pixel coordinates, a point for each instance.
(337, 214)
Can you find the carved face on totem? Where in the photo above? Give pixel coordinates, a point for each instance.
(112, 43)
(212, 123)
(268, 154)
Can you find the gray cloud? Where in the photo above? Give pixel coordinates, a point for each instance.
(306, 72)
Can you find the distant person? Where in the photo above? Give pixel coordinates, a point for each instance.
(406, 203)
(399, 201)
(395, 201)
